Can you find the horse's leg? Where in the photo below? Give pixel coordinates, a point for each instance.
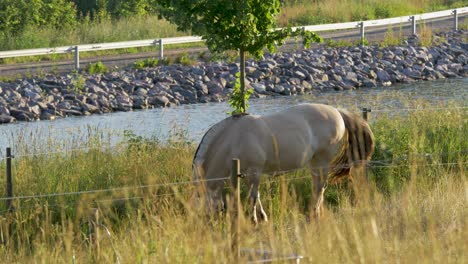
(253, 181)
(319, 190)
(319, 171)
(214, 198)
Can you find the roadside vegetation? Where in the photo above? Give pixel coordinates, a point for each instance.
(52, 23)
(303, 12)
(413, 209)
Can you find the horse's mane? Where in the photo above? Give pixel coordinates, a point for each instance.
(209, 137)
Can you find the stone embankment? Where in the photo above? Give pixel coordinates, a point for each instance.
(320, 69)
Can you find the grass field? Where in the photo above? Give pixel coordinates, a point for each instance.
(293, 13)
(413, 209)
(303, 12)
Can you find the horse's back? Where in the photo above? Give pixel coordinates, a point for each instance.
(279, 141)
(322, 122)
(302, 131)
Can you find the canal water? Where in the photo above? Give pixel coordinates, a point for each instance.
(191, 121)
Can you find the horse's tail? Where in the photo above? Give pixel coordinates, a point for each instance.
(357, 147)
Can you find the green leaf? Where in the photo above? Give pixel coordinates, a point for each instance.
(242, 25)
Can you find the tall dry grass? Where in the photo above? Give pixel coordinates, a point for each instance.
(413, 209)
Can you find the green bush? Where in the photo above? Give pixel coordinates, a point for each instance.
(185, 59)
(97, 67)
(423, 143)
(16, 15)
(148, 62)
(390, 39)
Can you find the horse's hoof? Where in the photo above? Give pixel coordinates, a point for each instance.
(255, 221)
(264, 217)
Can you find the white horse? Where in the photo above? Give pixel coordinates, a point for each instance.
(328, 140)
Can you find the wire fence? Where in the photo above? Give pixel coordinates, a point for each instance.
(90, 202)
(172, 184)
(96, 202)
(172, 194)
(87, 149)
(418, 109)
(65, 151)
(388, 163)
(116, 189)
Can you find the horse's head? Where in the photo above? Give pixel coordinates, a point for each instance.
(209, 168)
(208, 190)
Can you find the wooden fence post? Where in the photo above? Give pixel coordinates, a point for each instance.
(365, 116)
(235, 170)
(365, 112)
(9, 181)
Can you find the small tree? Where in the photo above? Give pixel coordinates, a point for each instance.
(242, 25)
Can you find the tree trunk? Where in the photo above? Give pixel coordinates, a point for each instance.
(242, 77)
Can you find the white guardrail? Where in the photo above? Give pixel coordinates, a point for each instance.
(191, 39)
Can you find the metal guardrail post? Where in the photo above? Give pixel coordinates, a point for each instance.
(77, 58)
(187, 39)
(455, 19)
(362, 32)
(161, 49)
(413, 25)
(9, 181)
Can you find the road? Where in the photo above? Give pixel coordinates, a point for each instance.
(373, 34)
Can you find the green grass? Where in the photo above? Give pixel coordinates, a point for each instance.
(412, 210)
(149, 27)
(336, 11)
(148, 62)
(89, 32)
(97, 67)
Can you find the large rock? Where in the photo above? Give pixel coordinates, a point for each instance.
(383, 76)
(291, 73)
(214, 88)
(259, 87)
(161, 101)
(22, 115)
(6, 119)
(190, 96)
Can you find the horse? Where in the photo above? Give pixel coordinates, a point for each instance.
(327, 140)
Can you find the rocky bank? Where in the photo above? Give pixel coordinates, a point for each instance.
(281, 74)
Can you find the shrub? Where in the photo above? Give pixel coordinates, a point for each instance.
(148, 62)
(97, 67)
(185, 59)
(16, 15)
(425, 35)
(390, 39)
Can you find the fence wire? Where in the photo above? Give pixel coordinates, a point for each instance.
(276, 173)
(65, 151)
(416, 109)
(95, 202)
(117, 189)
(372, 163)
